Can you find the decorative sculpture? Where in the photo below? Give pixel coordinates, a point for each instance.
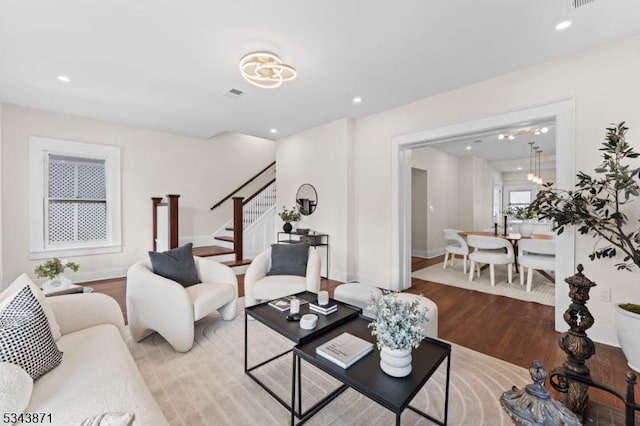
(533, 405)
(575, 342)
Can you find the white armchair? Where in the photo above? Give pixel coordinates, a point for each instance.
(491, 250)
(157, 304)
(459, 247)
(258, 286)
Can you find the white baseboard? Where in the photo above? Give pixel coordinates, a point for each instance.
(419, 253)
(428, 254)
(199, 240)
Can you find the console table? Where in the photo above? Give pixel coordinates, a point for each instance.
(315, 240)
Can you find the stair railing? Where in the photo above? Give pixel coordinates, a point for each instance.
(246, 212)
(234, 192)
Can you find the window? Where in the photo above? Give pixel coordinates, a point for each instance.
(75, 199)
(520, 198)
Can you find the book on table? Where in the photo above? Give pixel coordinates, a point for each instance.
(325, 310)
(345, 349)
(70, 289)
(284, 303)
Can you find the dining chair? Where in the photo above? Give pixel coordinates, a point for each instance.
(536, 254)
(459, 247)
(491, 251)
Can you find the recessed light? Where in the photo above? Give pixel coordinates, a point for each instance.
(501, 136)
(563, 25)
(357, 100)
(544, 129)
(468, 148)
(519, 168)
(64, 78)
(511, 137)
(273, 131)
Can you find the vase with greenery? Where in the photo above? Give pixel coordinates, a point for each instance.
(523, 214)
(289, 216)
(398, 329)
(52, 269)
(600, 206)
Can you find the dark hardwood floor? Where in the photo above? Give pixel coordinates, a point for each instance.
(512, 330)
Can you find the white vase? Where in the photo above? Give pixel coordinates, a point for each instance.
(395, 362)
(59, 283)
(628, 329)
(526, 228)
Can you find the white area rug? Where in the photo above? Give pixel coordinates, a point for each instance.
(207, 386)
(542, 290)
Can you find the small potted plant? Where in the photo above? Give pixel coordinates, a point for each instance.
(53, 269)
(398, 329)
(524, 214)
(289, 216)
(599, 206)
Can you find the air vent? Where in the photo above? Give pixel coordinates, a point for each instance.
(233, 93)
(579, 3)
(478, 141)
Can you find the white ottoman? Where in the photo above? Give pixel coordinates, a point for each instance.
(357, 294)
(431, 324)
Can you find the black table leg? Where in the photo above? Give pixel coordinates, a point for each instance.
(293, 389)
(446, 392)
(299, 370)
(398, 419)
(246, 320)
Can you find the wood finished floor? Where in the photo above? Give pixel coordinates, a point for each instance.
(511, 330)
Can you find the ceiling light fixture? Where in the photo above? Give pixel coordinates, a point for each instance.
(265, 70)
(357, 100)
(64, 78)
(469, 148)
(563, 25)
(273, 131)
(522, 131)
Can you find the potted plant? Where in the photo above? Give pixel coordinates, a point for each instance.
(599, 206)
(524, 214)
(398, 329)
(53, 269)
(289, 216)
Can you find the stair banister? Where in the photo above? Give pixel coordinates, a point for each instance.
(243, 185)
(237, 227)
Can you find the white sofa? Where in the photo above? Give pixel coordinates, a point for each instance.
(97, 374)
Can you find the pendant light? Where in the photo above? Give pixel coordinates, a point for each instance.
(530, 175)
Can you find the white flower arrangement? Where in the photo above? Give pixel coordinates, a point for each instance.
(398, 324)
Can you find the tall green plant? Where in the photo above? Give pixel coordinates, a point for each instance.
(597, 203)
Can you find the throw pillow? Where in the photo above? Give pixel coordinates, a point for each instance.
(16, 388)
(110, 419)
(25, 336)
(24, 281)
(176, 264)
(289, 259)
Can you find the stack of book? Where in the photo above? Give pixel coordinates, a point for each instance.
(345, 350)
(284, 303)
(324, 310)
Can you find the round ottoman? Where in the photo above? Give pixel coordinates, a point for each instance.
(357, 294)
(431, 324)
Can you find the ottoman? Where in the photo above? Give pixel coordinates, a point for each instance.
(357, 294)
(431, 324)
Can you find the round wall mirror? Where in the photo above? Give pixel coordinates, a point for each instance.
(306, 199)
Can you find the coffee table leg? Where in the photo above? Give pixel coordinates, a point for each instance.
(398, 419)
(446, 394)
(293, 390)
(299, 369)
(246, 320)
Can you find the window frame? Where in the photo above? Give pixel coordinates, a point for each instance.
(39, 150)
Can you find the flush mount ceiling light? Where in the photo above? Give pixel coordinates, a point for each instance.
(357, 100)
(524, 131)
(64, 78)
(563, 25)
(266, 70)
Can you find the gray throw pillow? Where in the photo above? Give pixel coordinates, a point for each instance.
(176, 264)
(289, 259)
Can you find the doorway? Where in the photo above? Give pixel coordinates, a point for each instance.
(563, 114)
(419, 212)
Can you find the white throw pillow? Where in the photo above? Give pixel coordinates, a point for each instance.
(15, 388)
(24, 281)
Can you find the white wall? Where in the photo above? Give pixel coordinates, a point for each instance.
(602, 94)
(153, 164)
(444, 185)
(419, 212)
(321, 157)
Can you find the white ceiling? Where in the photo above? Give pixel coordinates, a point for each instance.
(164, 64)
(505, 155)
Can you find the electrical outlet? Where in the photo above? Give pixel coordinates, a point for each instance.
(605, 294)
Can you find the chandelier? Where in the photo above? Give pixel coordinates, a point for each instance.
(534, 164)
(266, 70)
(520, 132)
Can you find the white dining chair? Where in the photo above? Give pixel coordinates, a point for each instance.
(492, 251)
(459, 247)
(536, 254)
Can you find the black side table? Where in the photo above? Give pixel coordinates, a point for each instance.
(315, 240)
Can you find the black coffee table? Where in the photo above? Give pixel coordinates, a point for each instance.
(366, 377)
(276, 320)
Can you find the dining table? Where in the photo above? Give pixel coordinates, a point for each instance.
(513, 238)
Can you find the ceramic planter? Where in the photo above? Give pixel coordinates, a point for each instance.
(526, 228)
(395, 362)
(628, 329)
